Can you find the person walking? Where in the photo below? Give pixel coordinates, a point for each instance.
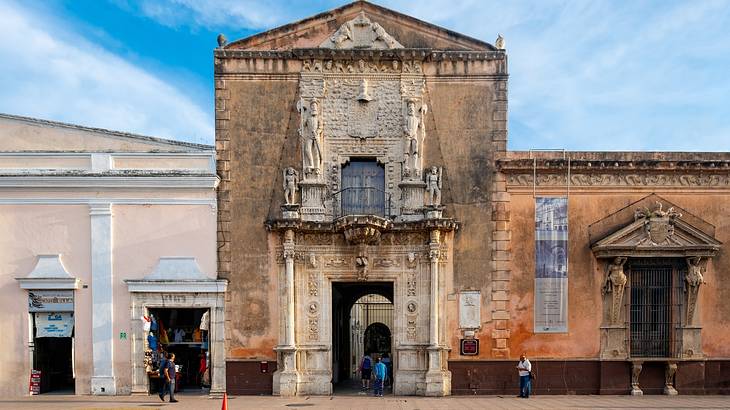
(366, 367)
(167, 372)
(524, 369)
(381, 373)
(388, 365)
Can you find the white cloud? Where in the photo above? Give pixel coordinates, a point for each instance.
(50, 72)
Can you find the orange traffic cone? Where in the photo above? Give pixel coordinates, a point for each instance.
(225, 402)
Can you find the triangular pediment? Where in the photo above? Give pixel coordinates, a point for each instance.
(659, 230)
(360, 25)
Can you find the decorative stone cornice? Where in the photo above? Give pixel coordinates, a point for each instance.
(403, 54)
(441, 224)
(621, 178)
(617, 169)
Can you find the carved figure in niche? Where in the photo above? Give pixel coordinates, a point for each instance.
(693, 279)
(291, 183)
(433, 186)
(415, 132)
(615, 282)
(311, 133)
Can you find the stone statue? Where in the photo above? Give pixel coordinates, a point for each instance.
(415, 132)
(433, 186)
(222, 41)
(311, 133)
(615, 282)
(693, 279)
(362, 264)
(635, 373)
(342, 35)
(499, 43)
(291, 183)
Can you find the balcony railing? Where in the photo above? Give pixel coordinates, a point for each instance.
(361, 201)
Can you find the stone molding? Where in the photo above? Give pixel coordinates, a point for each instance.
(622, 178)
(49, 273)
(354, 54)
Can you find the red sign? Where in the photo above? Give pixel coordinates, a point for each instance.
(35, 382)
(469, 347)
(264, 366)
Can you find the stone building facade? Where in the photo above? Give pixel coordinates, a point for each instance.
(362, 151)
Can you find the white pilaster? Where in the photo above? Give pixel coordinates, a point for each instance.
(102, 334)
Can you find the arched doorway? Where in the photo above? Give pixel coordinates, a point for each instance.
(362, 319)
(376, 339)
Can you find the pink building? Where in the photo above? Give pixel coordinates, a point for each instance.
(101, 228)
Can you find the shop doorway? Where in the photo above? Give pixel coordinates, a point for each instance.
(53, 351)
(184, 332)
(362, 319)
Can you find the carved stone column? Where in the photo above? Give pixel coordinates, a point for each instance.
(438, 378)
(669, 379)
(635, 373)
(433, 331)
(286, 375)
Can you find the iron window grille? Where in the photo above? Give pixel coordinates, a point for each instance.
(656, 290)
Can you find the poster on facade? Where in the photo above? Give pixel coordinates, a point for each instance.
(54, 324)
(551, 265)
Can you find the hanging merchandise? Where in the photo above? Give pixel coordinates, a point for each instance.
(153, 326)
(179, 335)
(205, 321)
(152, 341)
(163, 334)
(197, 335)
(54, 324)
(146, 323)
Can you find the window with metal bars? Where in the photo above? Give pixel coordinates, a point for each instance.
(655, 306)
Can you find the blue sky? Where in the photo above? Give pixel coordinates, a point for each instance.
(584, 75)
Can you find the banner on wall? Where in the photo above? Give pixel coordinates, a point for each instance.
(54, 324)
(551, 265)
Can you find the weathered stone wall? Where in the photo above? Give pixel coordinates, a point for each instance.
(691, 181)
(257, 138)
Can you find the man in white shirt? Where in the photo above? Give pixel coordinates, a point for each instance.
(524, 368)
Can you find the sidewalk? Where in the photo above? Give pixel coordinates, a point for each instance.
(53, 402)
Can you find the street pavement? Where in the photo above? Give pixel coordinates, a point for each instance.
(364, 402)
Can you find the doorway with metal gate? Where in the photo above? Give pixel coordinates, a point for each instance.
(362, 324)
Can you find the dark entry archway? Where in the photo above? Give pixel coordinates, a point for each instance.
(344, 296)
(377, 339)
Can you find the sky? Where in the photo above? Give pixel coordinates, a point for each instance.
(584, 75)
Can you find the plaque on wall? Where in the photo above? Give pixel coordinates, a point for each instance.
(469, 347)
(470, 309)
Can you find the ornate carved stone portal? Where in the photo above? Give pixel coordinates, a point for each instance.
(654, 230)
(355, 111)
